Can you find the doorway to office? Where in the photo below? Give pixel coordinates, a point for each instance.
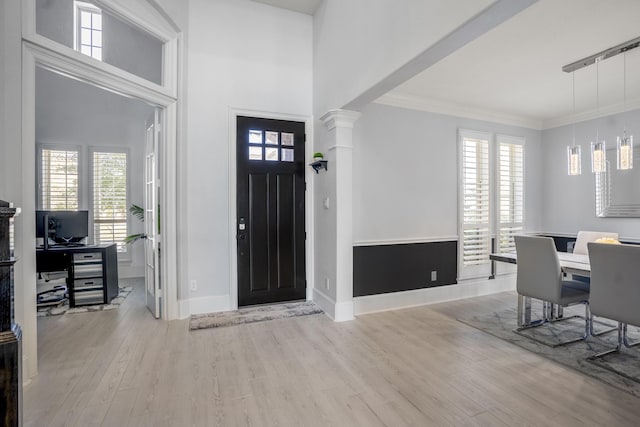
(93, 149)
(51, 50)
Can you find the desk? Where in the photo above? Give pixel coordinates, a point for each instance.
(92, 271)
(569, 263)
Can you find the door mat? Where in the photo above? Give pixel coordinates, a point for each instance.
(63, 306)
(253, 314)
(621, 370)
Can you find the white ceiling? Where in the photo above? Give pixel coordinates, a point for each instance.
(303, 6)
(513, 73)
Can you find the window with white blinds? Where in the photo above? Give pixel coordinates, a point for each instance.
(110, 213)
(510, 191)
(58, 179)
(491, 198)
(475, 204)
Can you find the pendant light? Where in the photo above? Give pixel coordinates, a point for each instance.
(598, 147)
(625, 143)
(574, 152)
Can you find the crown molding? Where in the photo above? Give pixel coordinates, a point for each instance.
(592, 114)
(452, 109)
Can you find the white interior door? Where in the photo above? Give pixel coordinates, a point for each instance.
(151, 191)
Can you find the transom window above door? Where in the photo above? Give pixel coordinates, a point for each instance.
(271, 146)
(95, 30)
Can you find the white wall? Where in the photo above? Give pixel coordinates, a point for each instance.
(405, 173)
(72, 113)
(358, 43)
(242, 55)
(569, 201)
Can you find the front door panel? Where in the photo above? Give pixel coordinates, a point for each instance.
(271, 211)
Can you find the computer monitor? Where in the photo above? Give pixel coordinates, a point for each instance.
(64, 226)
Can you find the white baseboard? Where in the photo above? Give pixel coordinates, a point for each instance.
(338, 312)
(209, 304)
(464, 289)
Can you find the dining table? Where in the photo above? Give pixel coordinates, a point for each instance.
(570, 264)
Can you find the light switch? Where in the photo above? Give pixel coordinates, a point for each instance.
(325, 202)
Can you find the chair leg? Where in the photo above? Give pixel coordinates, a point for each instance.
(592, 331)
(622, 328)
(625, 338)
(548, 318)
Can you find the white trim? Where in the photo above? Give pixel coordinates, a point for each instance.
(338, 312)
(436, 106)
(202, 305)
(405, 241)
(309, 207)
(605, 111)
(340, 119)
(435, 295)
(73, 64)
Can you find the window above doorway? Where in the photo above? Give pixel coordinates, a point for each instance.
(87, 29)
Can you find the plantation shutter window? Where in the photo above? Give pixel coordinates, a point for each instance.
(510, 191)
(110, 198)
(491, 199)
(475, 204)
(58, 179)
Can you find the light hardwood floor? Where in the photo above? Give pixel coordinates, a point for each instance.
(416, 366)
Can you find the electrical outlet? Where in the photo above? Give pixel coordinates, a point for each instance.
(194, 285)
(434, 275)
(326, 283)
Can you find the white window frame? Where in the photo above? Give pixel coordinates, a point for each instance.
(125, 254)
(81, 184)
(494, 224)
(483, 269)
(514, 227)
(79, 6)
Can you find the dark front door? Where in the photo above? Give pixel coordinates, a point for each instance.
(271, 211)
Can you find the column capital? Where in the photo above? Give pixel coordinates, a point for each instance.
(340, 118)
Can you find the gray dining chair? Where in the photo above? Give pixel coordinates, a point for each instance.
(615, 287)
(585, 237)
(539, 276)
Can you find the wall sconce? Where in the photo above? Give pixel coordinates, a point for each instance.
(598, 157)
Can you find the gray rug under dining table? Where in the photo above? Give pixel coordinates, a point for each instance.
(621, 370)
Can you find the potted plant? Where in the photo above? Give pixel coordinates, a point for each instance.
(138, 212)
(317, 156)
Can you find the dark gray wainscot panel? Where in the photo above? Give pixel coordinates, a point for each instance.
(393, 268)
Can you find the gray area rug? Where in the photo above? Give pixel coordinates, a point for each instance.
(253, 314)
(621, 370)
(63, 306)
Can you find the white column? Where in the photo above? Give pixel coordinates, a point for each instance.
(340, 145)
